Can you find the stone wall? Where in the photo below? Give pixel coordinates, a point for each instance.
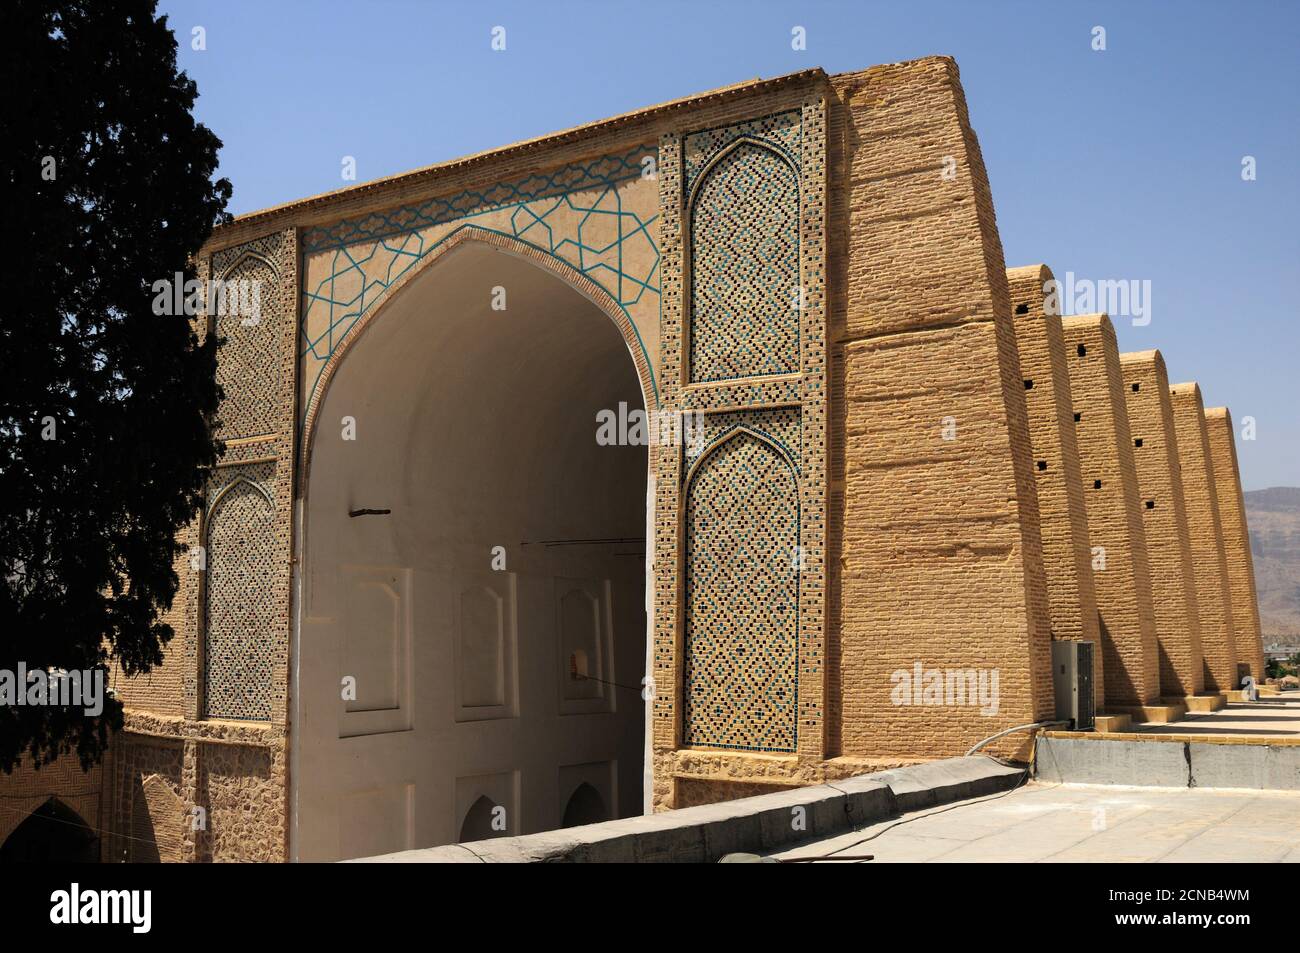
(204, 743)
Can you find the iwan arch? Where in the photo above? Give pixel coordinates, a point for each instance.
(435, 608)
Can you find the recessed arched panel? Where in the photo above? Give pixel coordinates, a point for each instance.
(240, 596)
(742, 597)
(585, 806)
(479, 820)
(249, 369)
(482, 648)
(373, 641)
(580, 644)
(53, 833)
(157, 823)
(744, 266)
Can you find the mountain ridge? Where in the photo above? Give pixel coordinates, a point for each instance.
(1273, 518)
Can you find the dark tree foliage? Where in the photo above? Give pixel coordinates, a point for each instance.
(88, 519)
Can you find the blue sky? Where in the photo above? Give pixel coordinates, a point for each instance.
(1118, 164)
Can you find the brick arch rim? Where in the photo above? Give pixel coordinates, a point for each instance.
(242, 259)
(230, 487)
(507, 244)
(58, 802)
(714, 160)
(732, 434)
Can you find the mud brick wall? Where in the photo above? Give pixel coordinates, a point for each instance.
(1247, 636)
(1164, 516)
(1209, 567)
(939, 559)
(1067, 557)
(1110, 490)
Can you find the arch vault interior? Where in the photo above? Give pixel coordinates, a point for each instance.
(437, 689)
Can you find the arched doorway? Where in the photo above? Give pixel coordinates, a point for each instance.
(51, 834)
(472, 598)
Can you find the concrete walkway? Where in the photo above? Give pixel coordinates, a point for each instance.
(1084, 823)
(1273, 716)
(709, 832)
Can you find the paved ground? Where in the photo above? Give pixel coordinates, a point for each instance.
(1274, 715)
(1043, 822)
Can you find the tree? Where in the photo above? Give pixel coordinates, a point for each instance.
(105, 406)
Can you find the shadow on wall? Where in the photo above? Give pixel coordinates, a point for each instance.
(51, 834)
(585, 806)
(157, 818)
(230, 780)
(478, 821)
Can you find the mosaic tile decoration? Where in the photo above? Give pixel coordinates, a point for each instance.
(744, 275)
(240, 598)
(782, 132)
(780, 425)
(249, 366)
(576, 213)
(665, 708)
(741, 669)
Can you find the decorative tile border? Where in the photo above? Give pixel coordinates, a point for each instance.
(593, 217)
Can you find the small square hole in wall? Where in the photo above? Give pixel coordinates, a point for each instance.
(1151, 504)
(1029, 385)
(1042, 464)
(1081, 350)
(1136, 388)
(1096, 484)
(1137, 442)
(1078, 417)
(1022, 309)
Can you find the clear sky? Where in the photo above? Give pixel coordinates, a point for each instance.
(1122, 164)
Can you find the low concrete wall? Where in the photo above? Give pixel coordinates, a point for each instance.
(1166, 761)
(755, 824)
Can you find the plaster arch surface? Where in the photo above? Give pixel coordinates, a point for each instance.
(474, 438)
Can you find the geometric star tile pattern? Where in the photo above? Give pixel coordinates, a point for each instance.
(742, 598)
(580, 213)
(238, 637)
(745, 295)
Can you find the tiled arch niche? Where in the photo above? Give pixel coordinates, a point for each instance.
(741, 512)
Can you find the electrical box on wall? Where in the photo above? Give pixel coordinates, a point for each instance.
(1072, 677)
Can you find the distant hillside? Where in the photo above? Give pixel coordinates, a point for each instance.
(1274, 519)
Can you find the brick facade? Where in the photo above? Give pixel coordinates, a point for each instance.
(1164, 515)
(1209, 564)
(940, 561)
(1247, 637)
(1063, 518)
(864, 373)
(1110, 491)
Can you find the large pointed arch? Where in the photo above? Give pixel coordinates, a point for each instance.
(510, 245)
(475, 433)
(53, 832)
